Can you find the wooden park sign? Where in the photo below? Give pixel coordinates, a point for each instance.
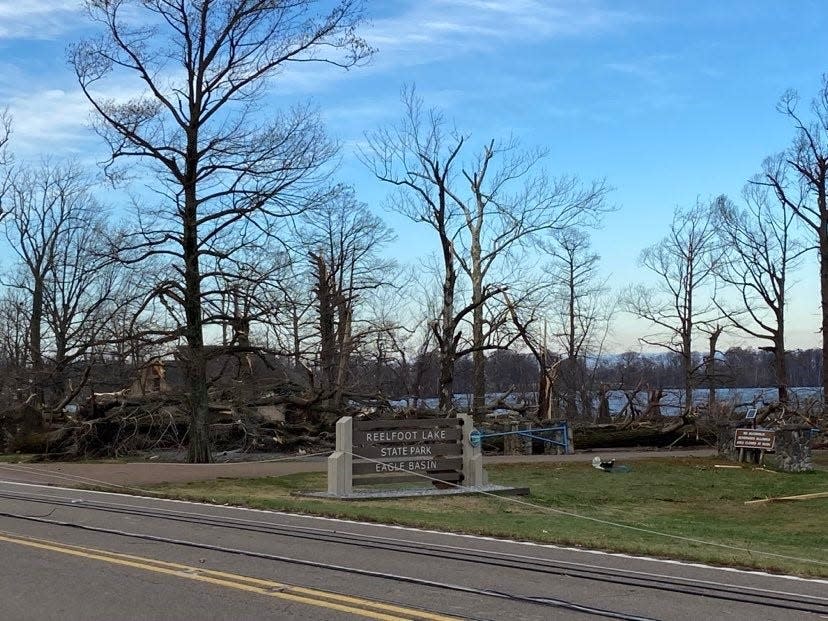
(761, 439)
(397, 448)
(396, 451)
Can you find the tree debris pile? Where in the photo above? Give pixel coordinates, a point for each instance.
(243, 416)
(805, 423)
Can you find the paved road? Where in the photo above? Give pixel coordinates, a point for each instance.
(147, 473)
(69, 554)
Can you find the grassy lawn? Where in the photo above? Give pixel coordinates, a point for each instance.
(27, 458)
(15, 458)
(688, 498)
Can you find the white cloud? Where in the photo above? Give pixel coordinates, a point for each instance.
(424, 31)
(658, 81)
(48, 120)
(428, 31)
(654, 68)
(38, 19)
(434, 29)
(50, 113)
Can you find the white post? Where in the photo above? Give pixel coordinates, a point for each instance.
(340, 463)
(473, 474)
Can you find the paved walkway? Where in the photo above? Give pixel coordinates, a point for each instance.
(149, 473)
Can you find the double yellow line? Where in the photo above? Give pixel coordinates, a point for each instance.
(359, 606)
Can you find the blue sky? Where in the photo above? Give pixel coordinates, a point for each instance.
(670, 101)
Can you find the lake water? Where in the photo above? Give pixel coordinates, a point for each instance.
(740, 398)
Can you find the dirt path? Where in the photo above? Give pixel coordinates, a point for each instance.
(148, 473)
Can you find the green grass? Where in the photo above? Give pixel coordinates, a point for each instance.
(688, 498)
(15, 458)
(26, 458)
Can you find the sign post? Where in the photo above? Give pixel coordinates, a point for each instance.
(340, 480)
(754, 439)
(761, 439)
(372, 452)
(473, 473)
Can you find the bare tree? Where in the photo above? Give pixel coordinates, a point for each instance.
(130, 334)
(345, 241)
(581, 310)
(760, 250)
(5, 157)
(509, 201)
(5, 134)
(683, 263)
(799, 178)
(14, 322)
(225, 170)
(84, 291)
(54, 227)
(482, 210)
(523, 317)
(239, 294)
(416, 344)
(291, 327)
(47, 205)
(399, 338)
(419, 157)
(713, 331)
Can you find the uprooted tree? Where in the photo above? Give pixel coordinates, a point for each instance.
(223, 170)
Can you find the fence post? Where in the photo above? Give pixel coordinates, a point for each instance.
(511, 441)
(526, 440)
(473, 475)
(570, 440)
(558, 435)
(340, 462)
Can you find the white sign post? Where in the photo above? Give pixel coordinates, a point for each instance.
(473, 473)
(340, 463)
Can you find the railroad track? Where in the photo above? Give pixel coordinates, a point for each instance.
(490, 559)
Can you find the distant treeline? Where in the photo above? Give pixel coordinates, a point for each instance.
(507, 370)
